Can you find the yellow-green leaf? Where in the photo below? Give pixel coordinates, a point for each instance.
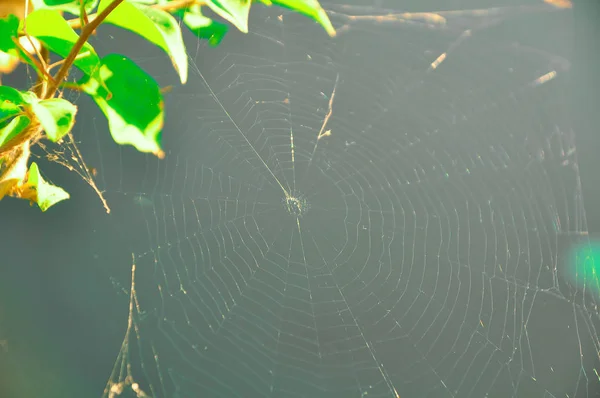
(56, 115)
(71, 6)
(41, 192)
(202, 26)
(156, 26)
(234, 11)
(13, 128)
(49, 27)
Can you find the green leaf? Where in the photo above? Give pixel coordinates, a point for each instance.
(9, 27)
(202, 26)
(156, 26)
(133, 103)
(14, 101)
(310, 8)
(70, 6)
(52, 29)
(234, 11)
(13, 128)
(56, 115)
(8, 110)
(41, 192)
(10, 97)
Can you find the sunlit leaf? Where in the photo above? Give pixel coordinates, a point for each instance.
(56, 115)
(12, 103)
(53, 30)
(37, 190)
(310, 8)
(234, 11)
(157, 26)
(13, 128)
(10, 97)
(71, 6)
(202, 26)
(133, 103)
(8, 110)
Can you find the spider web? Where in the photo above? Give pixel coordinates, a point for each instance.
(347, 217)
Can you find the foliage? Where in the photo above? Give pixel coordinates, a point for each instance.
(130, 99)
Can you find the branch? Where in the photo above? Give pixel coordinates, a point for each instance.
(83, 38)
(50, 85)
(35, 129)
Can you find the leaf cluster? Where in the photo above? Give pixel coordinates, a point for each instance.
(129, 98)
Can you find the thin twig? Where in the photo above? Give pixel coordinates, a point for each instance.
(35, 48)
(42, 84)
(72, 86)
(41, 57)
(38, 65)
(62, 61)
